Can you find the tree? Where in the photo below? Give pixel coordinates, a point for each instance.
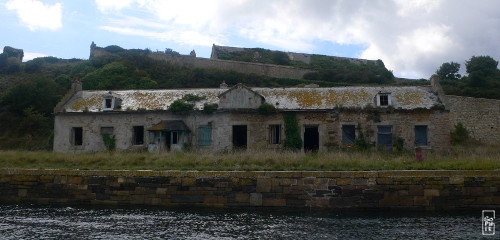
(481, 63)
(449, 70)
(480, 68)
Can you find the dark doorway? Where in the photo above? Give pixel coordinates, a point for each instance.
(240, 136)
(311, 139)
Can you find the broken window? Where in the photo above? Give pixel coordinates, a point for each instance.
(175, 137)
(205, 136)
(348, 134)
(108, 103)
(274, 134)
(138, 138)
(384, 137)
(311, 139)
(77, 136)
(240, 136)
(421, 135)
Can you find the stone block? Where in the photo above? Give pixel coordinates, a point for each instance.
(415, 190)
(255, 199)
(161, 191)
(22, 192)
(188, 181)
(360, 181)
(187, 198)
(457, 180)
(274, 202)
(242, 197)
(431, 193)
(263, 185)
(212, 200)
(75, 180)
(344, 181)
(385, 181)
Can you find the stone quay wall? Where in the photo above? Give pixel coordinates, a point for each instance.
(333, 190)
(480, 116)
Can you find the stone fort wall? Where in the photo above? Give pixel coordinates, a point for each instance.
(480, 116)
(276, 71)
(335, 190)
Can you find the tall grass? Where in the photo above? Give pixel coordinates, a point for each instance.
(460, 158)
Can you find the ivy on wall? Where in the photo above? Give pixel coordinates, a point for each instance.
(292, 132)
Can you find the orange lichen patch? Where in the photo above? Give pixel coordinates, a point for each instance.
(409, 98)
(81, 104)
(149, 100)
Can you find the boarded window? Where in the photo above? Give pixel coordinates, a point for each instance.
(348, 134)
(138, 138)
(274, 134)
(107, 131)
(384, 137)
(205, 136)
(77, 136)
(421, 135)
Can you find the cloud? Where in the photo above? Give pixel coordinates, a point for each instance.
(32, 55)
(36, 15)
(412, 37)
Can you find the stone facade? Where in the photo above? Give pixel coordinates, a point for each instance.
(480, 116)
(409, 190)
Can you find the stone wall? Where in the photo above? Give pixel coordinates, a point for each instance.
(411, 190)
(480, 116)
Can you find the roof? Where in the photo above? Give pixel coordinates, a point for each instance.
(402, 97)
(171, 125)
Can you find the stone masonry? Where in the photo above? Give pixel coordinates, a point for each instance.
(409, 190)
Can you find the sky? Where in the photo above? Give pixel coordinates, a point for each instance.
(412, 37)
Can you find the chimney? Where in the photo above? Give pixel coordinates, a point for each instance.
(223, 85)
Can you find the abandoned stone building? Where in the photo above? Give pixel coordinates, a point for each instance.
(328, 118)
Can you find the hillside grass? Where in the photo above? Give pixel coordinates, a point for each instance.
(458, 158)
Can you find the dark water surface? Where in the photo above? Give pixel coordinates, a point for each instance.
(32, 222)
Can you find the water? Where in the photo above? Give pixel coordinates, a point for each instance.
(32, 222)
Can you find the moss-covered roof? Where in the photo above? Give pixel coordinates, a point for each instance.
(408, 98)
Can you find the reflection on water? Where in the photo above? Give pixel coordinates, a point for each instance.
(31, 222)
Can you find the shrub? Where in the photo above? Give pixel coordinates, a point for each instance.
(292, 133)
(266, 109)
(109, 142)
(360, 143)
(460, 135)
(180, 106)
(209, 108)
(192, 98)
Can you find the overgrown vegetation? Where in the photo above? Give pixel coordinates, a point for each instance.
(109, 142)
(483, 78)
(266, 109)
(293, 141)
(180, 106)
(459, 135)
(459, 158)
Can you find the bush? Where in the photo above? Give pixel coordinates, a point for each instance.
(360, 143)
(180, 106)
(209, 108)
(460, 135)
(109, 142)
(266, 109)
(292, 133)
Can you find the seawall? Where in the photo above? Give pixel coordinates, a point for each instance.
(411, 190)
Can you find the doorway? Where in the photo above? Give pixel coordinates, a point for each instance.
(239, 136)
(311, 139)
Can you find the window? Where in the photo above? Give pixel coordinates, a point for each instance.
(107, 103)
(383, 99)
(348, 134)
(274, 134)
(138, 135)
(205, 136)
(175, 137)
(421, 135)
(384, 137)
(77, 136)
